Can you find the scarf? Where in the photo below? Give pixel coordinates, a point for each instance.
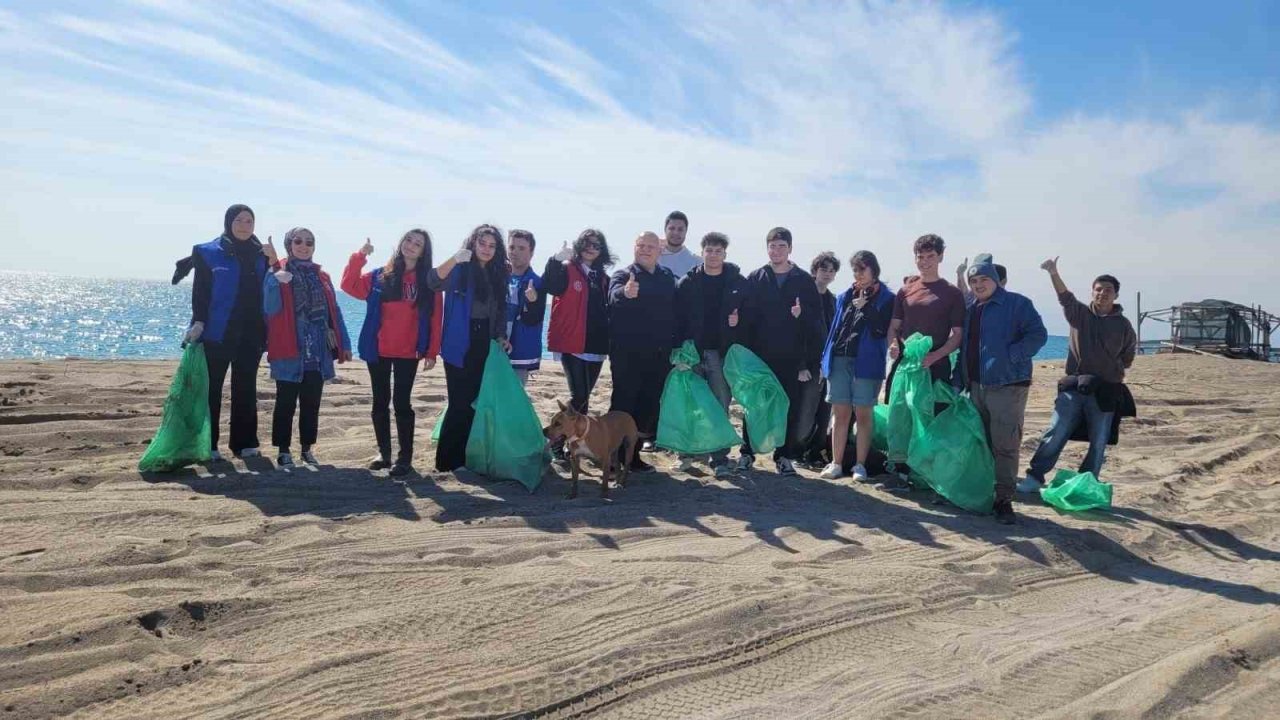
(309, 300)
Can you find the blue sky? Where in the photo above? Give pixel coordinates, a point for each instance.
(1137, 138)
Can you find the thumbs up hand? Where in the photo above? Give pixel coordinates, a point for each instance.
(270, 251)
(463, 255)
(564, 253)
(367, 248)
(632, 288)
(733, 318)
(530, 293)
(284, 277)
(795, 309)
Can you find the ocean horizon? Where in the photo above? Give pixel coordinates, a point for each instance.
(49, 316)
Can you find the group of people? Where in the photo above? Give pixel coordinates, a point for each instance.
(832, 353)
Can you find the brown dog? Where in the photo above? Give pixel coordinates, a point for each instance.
(608, 439)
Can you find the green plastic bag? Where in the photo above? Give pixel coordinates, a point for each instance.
(879, 429)
(764, 402)
(691, 419)
(951, 453)
(435, 431)
(506, 437)
(184, 435)
(1076, 491)
(911, 399)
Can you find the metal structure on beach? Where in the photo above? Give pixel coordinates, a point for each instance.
(1214, 327)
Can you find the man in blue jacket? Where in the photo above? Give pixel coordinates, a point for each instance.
(526, 306)
(1002, 333)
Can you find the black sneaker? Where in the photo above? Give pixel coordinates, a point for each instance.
(638, 465)
(382, 462)
(1004, 512)
(400, 469)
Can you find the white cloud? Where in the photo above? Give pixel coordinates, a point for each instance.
(829, 119)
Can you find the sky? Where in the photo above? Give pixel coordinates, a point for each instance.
(1140, 139)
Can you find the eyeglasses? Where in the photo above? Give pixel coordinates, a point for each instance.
(300, 241)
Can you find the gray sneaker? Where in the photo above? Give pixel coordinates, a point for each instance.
(1030, 485)
(785, 466)
(723, 470)
(309, 458)
(285, 460)
(250, 453)
(745, 462)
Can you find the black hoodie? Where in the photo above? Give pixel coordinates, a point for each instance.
(692, 301)
(766, 325)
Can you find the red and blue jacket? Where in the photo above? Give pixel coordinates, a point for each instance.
(373, 336)
(282, 329)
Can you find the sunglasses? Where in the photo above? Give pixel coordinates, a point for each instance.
(300, 241)
(590, 244)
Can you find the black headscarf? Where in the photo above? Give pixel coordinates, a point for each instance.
(230, 217)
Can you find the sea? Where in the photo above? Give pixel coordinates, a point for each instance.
(47, 316)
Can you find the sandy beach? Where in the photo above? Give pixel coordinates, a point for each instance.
(251, 592)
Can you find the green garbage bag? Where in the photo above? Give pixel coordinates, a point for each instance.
(435, 431)
(910, 399)
(764, 402)
(1076, 491)
(691, 419)
(951, 454)
(879, 428)
(506, 437)
(184, 436)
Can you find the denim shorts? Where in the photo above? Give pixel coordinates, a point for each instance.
(845, 389)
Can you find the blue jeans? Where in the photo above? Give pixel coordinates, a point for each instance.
(1068, 410)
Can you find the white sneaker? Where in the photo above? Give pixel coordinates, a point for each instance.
(215, 456)
(785, 466)
(745, 462)
(249, 453)
(1029, 485)
(859, 473)
(684, 465)
(831, 472)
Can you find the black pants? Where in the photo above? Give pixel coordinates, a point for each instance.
(243, 360)
(380, 372)
(464, 385)
(818, 440)
(638, 378)
(304, 395)
(787, 371)
(581, 375)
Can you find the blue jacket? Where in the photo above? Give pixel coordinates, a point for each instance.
(225, 272)
(287, 365)
(368, 345)
(458, 297)
(526, 320)
(1012, 333)
(873, 342)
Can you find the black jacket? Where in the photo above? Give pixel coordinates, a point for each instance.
(692, 305)
(647, 322)
(767, 327)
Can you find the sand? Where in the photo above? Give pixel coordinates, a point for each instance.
(251, 592)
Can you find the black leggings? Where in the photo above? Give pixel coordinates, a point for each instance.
(380, 372)
(464, 385)
(243, 361)
(304, 395)
(582, 376)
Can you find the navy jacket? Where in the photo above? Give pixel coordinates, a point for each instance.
(870, 330)
(213, 295)
(1012, 333)
(693, 310)
(647, 322)
(766, 325)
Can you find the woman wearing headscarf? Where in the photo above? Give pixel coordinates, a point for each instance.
(226, 316)
(401, 326)
(474, 281)
(305, 335)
